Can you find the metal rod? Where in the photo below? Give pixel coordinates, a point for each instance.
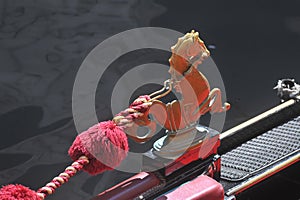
(244, 132)
(159, 91)
(257, 118)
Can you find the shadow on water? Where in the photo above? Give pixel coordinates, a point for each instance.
(23, 123)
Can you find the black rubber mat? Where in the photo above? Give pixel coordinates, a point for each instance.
(261, 152)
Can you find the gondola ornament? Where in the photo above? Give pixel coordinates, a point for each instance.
(287, 89)
(180, 117)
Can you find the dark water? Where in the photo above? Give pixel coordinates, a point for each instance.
(43, 43)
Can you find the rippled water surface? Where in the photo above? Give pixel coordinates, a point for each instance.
(43, 43)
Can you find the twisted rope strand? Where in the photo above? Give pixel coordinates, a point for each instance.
(62, 177)
(140, 105)
(125, 118)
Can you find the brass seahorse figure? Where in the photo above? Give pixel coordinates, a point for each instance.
(197, 97)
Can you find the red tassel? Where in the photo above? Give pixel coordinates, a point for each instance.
(102, 147)
(105, 144)
(17, 192)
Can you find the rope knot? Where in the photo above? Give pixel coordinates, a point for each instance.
(135, 110)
